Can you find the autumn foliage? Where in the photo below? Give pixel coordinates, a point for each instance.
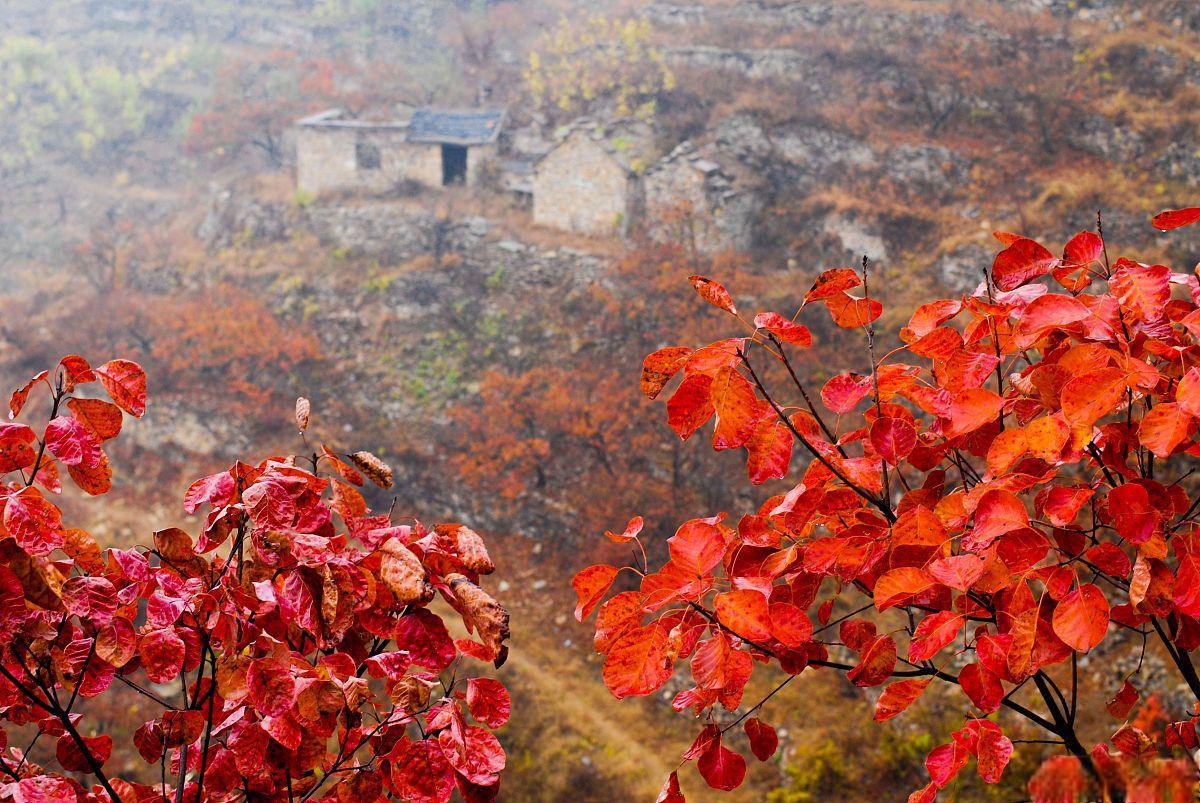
(1003, 493)
(291, 646)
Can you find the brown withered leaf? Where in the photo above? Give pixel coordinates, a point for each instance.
(403, 573)
(470, 547)
(481, 613)
(231, 676)
(303, 411)
(174, 545)
(82, 547)
(410, 692)
(376, 470)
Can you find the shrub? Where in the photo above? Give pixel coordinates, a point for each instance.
(981, 512)
(291, 647)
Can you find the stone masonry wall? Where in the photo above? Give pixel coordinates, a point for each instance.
(682, 202)
(326, 160)
(580, 187)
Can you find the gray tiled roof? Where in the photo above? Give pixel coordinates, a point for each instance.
(476, 127)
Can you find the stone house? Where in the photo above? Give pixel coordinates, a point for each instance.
(590, 182)
(434, 147)
(703, 196)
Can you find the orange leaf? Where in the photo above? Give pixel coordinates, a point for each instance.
(850, 313)
(659, 367)
(737, 408)
(898, 696)
(714, 293)
(1164, 428)
(638, 663)
(1091, 396)
(744, 611)
(899, 585)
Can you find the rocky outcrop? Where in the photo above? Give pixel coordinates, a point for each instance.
(762, 63)
(232, 217)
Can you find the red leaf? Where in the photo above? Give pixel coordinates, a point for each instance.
(790, 625)
(875, 664)
(722, 768)
(893, 439)
(73, 759)
(1022, 261)
(15, 449)
(93, 598)
(76, 371)
(72, 443)
(833, 282)
(850, 313)
(999, 512)
(631, 531)
(94, 481)
(270, 686)
(215, 489)
(691, 405)
(1081, 618)
(933, 633)
(162, 653)
(971, 409)
(421, 773)
(1060, 779)
(744, 611)
(944, 762)
(981, 686)
(1176, 218)
(21, 395)
(591, 585)
(1164, 428)
(488, 701)
(1123, 701)
(786, 330)
(34, 522)
(1142, 290)
(764, 741)
(994, 751)
(125, 383)
(714, 293)
(1091, 396)
(843, 392)
(697, 546)
(670, 792)
(959, 572)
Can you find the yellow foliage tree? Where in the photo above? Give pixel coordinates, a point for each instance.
(575, 64)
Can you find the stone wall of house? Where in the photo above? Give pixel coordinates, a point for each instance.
(581, 187)
(327, 160)
(479, 158)
(689, 199)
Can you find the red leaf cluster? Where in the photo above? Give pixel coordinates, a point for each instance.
(978, 509)
(295, 626)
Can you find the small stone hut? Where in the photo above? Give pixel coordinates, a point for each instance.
(434, 147)
(590, 182)
(703, 195)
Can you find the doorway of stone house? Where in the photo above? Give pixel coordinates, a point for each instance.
(454, 165)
